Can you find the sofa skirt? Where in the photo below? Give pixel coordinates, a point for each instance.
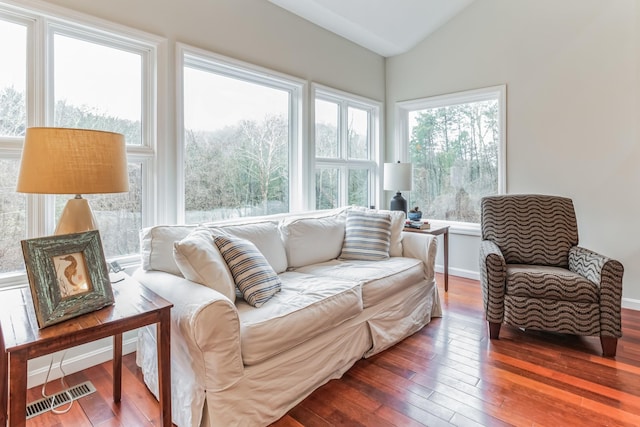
(268, 390)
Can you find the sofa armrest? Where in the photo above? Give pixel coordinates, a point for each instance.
(493, 276)
(208, 323)
(607, 274)
(423, 247)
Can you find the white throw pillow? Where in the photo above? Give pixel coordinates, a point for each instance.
(200, 261)
(265, 235)
(367, 236)
(156, 246)
(253, 275)
(313, 240)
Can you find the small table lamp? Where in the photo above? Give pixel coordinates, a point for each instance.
(73, 161)
(398, 177)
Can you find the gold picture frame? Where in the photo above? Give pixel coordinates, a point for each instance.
(68, 276)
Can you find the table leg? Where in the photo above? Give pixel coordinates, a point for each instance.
(164, 366)
(117, 367)
(446, 260)
(4, 381)
(18, 401)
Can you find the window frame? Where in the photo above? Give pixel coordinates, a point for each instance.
(343, 163)
(42, 23)
(232, 68)
(499, 93)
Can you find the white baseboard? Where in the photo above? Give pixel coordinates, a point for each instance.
(79, 362)
(467, 274)
(631, 304)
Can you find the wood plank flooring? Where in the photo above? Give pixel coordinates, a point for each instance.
(449, 373)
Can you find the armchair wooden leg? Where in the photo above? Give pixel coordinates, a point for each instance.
(609, 346)
(494, 330)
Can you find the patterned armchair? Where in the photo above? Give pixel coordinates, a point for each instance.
(534, 276)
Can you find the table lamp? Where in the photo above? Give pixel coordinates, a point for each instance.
(73, 161)
(398, 177)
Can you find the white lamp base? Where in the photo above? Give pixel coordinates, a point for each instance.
(76, 217)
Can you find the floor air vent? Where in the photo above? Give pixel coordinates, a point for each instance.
(43, 405)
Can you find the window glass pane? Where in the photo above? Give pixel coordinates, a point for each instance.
(454, 151)
(327, 115)
(358, 192)
(236, 147)
(327, 185)
(13, 77)
(119, 215)
(97, 87)
(358, 134)
(13, 207)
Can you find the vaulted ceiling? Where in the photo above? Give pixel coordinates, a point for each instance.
(387, 27)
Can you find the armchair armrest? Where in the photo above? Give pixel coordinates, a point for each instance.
(493, 275)
(206, 322)
(606, 273)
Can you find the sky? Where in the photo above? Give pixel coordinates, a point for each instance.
(213, 101)
(12, 45)
(106, 79)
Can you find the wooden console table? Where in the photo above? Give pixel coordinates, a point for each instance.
(436, 231)
(20, 340)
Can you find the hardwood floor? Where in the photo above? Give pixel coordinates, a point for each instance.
(449, 373)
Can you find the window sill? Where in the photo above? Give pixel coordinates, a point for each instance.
(462, 228)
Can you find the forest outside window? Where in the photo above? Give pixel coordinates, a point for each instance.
(456, 144)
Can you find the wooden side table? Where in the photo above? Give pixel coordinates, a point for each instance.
(436, 231)
(21, 339)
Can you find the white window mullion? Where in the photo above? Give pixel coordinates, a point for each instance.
(345, 102)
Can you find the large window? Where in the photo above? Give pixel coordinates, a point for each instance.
(346, 149)
(239, 135)
(456, 144)
(76, 75)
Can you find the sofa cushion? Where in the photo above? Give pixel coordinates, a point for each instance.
(306, 306)
(156, 246)
(264, 235)
(200, 261)
(367, 236)
(251, 272)
(397, 225)
(556, 283)
(300, 236)
(379, 279)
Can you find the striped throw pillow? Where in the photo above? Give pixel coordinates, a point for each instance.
(367, 236)
(253, 275)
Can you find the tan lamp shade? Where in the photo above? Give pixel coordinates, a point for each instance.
(73, 161)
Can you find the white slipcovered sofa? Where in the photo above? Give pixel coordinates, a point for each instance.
(236, 364)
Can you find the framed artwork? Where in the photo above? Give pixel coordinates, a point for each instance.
(68, 276)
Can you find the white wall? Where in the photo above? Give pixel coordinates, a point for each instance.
(571, 68)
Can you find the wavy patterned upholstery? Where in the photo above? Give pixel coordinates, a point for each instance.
(534, 276)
